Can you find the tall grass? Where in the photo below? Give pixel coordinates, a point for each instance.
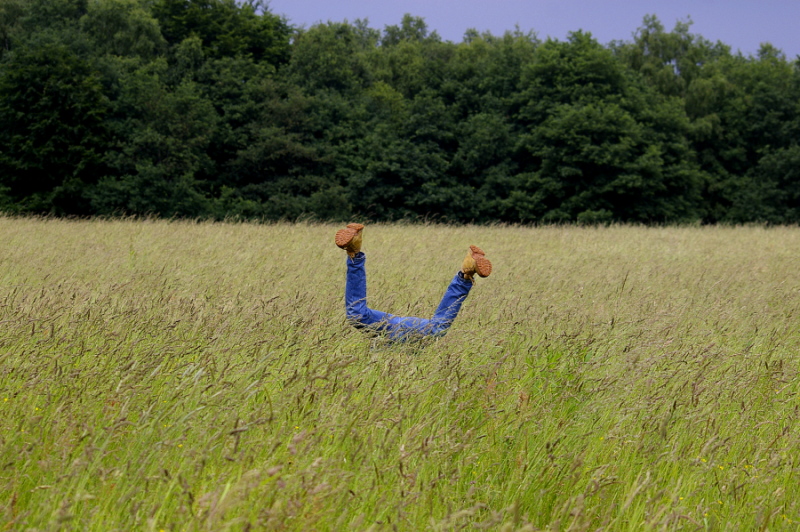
(183, 376)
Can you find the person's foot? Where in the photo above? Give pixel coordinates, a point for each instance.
(349, 239)
(476, 262)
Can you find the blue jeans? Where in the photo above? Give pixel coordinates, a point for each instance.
(398, 327)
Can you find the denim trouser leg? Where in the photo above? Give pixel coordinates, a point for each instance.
(355, 297)
(399, 327)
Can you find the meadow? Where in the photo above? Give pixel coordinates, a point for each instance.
(180, 376)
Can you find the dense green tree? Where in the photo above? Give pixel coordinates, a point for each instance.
(160, 160)
(600, 147)
(329, 57)
(485, 72)
(742, 108)
(410, 59)
(123, 28)
(225, 28)
(42, 14)
(52, 129)
(398, 168)
(411, 28)
(483, 167)
(770, 192)
(670, 61)
(216, 108)
(576, 71)
(11, 13)
(595, 164)
(279, 168)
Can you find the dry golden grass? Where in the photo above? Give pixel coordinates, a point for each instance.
(182, 376)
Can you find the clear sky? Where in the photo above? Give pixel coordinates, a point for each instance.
(741, 24)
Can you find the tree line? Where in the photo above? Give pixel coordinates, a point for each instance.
(220, 108)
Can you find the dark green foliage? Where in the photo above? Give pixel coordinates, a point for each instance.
(123, 28)
(606, 148)
(329, 57)
(225, 28)
(669, 61)
(161, 160)
(218, 108)
(41, 14)
(11, 13)
(770, 192)
(52, 128)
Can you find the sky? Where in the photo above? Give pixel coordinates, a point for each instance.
(741, 24)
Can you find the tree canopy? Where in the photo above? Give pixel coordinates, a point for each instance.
(219, 108)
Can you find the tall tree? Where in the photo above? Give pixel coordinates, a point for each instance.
(329, 57)
(11, 13)
(226, 28)
(41, 14)
(123, 28)
(600, 147)
(670, 61)
(160, 162)
(52, 128)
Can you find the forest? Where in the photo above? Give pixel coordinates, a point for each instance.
(221, 109)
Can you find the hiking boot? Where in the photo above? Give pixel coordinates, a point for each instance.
(476, 262)
(349, 239)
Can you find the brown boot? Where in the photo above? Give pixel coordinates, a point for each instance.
(475, 262)
(349, 239)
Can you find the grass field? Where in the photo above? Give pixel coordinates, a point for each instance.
(183, 376)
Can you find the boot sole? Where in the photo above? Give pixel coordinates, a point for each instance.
(345, 236)
(483, 267)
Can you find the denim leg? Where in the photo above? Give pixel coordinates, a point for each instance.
(399, 327)
(451, 303)
(355, 296)
(403, 328)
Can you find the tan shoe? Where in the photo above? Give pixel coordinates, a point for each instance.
(349, 239)
(476, 262)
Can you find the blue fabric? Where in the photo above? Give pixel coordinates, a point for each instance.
(399, 327)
